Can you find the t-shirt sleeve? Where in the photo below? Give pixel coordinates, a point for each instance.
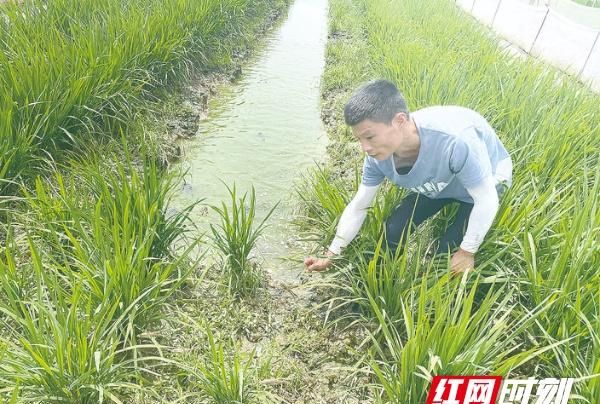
(371, 174)
(470, 161)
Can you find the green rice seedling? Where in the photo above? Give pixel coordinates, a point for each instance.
(228, 378)
(322, 201)
(235, 237)
(90, 67)
(60, 346)
(440, 331)
(346, 48)
(110, 226)
(102, 247)
(14, 395)
(562, 267)
(549, 250)
(379, 279)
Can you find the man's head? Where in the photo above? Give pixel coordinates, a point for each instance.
(378, 114)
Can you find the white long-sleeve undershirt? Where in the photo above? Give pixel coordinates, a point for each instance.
(504, 170)
(485, 207)
(353, 217)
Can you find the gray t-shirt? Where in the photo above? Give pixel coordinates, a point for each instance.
(458, 150)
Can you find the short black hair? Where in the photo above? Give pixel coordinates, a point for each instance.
(377, 100)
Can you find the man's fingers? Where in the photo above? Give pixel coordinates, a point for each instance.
(458, 270)
(316, 267)
(313, 267)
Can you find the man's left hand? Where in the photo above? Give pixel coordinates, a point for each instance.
(462, 261)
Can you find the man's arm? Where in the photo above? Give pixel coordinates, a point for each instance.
(353, 217)
(485, 207)
(471, 164)
(350, 223)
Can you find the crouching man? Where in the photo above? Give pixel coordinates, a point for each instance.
(442, 154)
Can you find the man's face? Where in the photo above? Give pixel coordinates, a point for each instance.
(378, 140)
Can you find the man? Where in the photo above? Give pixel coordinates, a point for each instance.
(443, 154)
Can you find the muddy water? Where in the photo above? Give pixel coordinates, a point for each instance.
(265, 131)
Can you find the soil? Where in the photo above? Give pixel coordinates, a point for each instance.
(309, 360)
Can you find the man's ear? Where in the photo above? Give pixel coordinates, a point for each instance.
(399, 119)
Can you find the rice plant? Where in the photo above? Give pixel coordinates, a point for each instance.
(100, 263)
(97, 254)
(441, 332)
(235, 237)
(226, 377)
(322, 201)
(60, 345)
(110, 224)
(87, 68)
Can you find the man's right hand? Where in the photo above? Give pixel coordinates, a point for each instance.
(318, 264)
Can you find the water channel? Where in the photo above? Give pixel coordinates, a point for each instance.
(265, 131)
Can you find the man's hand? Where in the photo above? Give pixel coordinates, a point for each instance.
(318, 264)
(462, 261)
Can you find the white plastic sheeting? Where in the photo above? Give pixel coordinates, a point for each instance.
(563, 33)
(591, 70)
(582, 15)
(485, 10)
(563, 43)
(519, 22)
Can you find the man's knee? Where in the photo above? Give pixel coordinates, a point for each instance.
(391, 241)
(395, 235)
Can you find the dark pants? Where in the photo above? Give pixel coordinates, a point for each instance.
(414, 210)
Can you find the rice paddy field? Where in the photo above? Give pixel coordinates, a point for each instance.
(532, 309)
(118, 284)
